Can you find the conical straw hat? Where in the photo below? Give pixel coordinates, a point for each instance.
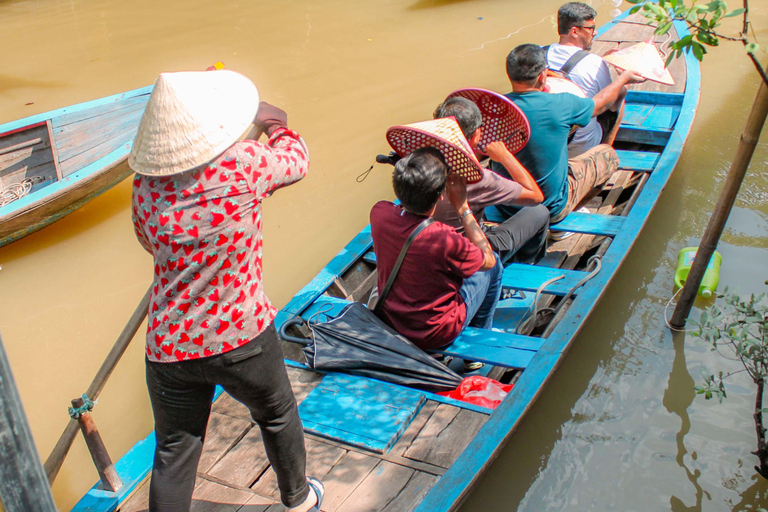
(558, 85)
(502, 119)
(644, 60)
(443, 134)
(190, 119)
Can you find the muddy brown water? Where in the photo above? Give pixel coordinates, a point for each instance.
(618, 428)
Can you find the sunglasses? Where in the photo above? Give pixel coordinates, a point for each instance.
(592, 27)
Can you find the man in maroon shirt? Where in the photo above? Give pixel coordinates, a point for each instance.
(447, 281)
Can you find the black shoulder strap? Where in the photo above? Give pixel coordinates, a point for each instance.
(571, 63)
(383, 295)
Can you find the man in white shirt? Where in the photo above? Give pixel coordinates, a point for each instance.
(570, 56)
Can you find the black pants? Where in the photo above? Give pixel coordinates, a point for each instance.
(181, 395)
(522, 238)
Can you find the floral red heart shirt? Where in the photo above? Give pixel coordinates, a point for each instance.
(203, 228)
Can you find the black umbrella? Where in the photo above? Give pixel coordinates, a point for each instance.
(356, 341)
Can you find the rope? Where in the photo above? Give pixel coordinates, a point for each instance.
(364, 175)
(76, 412)
(14, 191)
(666, 318)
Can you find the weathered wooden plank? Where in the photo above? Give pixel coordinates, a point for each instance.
(222, 434)
(441, 442)
(414, 428)
(87, 134)
(101, 110)
(342, 480)
(138, 501)
(321, 458)
(489, 347)
(380, 487)
(214, 497)
(303, 382)
(228, 406)
(414, 491)
(653, 136)
(637, 160)
(244, 463)
(71, 163)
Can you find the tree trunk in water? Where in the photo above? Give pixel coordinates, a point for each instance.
(723, 208)
(762, 449)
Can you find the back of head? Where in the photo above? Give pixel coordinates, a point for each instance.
(419, 179)
(466, 113)
(573, 14)
(526, 62)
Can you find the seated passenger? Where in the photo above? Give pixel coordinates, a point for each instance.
(522, 237)
(570, 56)
(565, 183)
(447, 281)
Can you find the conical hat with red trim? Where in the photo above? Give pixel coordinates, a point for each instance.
(644, 60)
(443, 134)
(502, 119)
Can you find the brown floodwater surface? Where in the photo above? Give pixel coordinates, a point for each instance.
(617, 429)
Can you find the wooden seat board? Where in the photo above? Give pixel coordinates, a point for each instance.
(637, 160)
(518, 276)
(594, 224)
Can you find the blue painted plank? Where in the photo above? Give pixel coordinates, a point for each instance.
(637, 160)
(642, 135)
(529, 278)
(370, 257)
(592, 223)
(495, 348)
(662, 116)
(635, 114)
(655, 98)
(362, 412)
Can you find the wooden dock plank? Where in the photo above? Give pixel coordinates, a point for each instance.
(445, 435)
(244, 463)
(380, 487)
(222, 434)
(138, 501)
(215, 497)
(342, 480)
(413, 492)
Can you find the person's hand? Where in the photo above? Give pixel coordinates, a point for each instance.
(456, 192)
(632, 77)
(497, 150)
(268, 119)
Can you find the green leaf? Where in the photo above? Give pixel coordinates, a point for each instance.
(663, 28)
(698, 50)
(735, 12)
(752, 48)
(635, 1)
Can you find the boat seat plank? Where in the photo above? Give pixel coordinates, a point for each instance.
(381, 485)
(445, 436)
(113, 108)
(643, 135)
(366, 412)
(662, 116)
(321, 458)
(489, 347)
(222, 434)
(518, 276)
(654, 98)
(637, 160)
(635, 113)
(591, 223)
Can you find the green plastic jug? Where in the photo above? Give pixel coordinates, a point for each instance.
(711, 275)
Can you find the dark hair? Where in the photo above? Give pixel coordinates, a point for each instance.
(573, 14)
(526, 62)
(419, 179)
(466, 113)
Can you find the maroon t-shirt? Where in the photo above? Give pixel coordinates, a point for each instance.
(424, 303)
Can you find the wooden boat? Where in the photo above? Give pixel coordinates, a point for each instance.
(53, 163)
(377, 446)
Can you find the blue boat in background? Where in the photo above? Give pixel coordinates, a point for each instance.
(53, 163)
(383, 447)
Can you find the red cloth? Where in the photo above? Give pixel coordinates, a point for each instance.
(424, 304)
(203, 228)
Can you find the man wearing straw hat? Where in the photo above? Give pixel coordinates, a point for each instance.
(571, 57)
(197, 209)
(522, 237)
(565, 182)
(446, 281)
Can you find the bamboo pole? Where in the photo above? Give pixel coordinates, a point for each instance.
(23, 483)
(59, 452)
(747, 144)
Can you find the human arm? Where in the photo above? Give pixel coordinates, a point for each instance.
(531, 193)
(456, 191)
(283, 160)
(138, 222)
(612, 95)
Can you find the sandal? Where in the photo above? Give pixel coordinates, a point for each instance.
(317, 486)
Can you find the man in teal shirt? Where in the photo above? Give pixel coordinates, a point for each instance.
(564, 183)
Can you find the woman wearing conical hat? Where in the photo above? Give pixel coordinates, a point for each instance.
(197, 209)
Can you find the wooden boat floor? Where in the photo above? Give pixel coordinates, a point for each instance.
(234, 474)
